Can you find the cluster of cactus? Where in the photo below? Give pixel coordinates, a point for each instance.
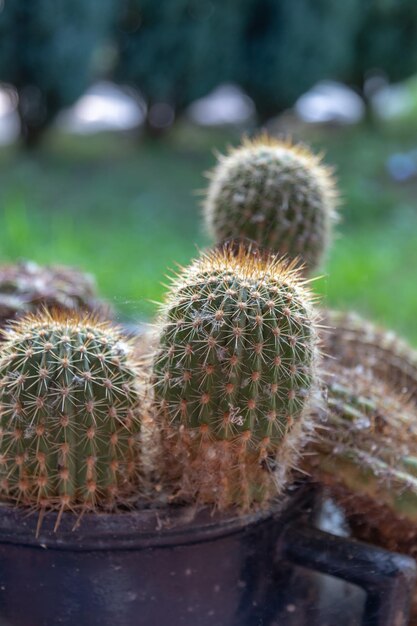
(27, 287)
(275, 194)
(233, 374)
(281, 198)
(222, 411)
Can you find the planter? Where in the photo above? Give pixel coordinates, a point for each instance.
(149, 569)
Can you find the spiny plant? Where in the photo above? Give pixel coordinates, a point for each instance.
(234, 371)
(25, 287)
(70, 399)
(356, 341)
(276, 194)
(365, 453)
(365, 450)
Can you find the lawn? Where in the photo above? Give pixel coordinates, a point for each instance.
(127, 210)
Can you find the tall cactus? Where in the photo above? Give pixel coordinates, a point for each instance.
(275, 194)
(353, 341)
(70, 400)
(26, 287)
(234, 372)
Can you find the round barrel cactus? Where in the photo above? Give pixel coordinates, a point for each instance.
(354, 341)
(70, 401)
(234, 371)
(27, 287)
(275, 194)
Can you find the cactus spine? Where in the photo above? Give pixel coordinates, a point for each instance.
(69, 398)
(275, 194)
(26, 287)
(355, 341)
(233, 375)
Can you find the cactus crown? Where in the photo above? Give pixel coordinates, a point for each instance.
(236, 352)
(276, 194)
(69, 401)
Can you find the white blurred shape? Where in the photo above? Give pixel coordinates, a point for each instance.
(393, 101)
(104, 107)
(227, 104)
(331, 518)
(329, 101)
(9, 119)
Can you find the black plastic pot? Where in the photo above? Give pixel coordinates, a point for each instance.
(145, 569)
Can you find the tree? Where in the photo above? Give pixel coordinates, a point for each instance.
(387, 39)
(47, 50)
(175, 51)
(289, 45)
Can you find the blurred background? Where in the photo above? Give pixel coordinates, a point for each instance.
(112, 110)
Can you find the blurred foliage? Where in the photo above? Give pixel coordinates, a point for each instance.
(177, 51)
(100, 203)
(289, 46)
(47, 52)
(387, 39)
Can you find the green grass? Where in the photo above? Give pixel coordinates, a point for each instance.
(127, 211)
(374, 272)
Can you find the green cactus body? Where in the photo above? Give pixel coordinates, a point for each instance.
(276, 195)
(69, 399)
(26, 287)
(354, 341)
(365, 451)
(233, 374)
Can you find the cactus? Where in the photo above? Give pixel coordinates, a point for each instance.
(69, 397)
(275, 194)
(355, 341)
(366, 455)
(234, 370)
(25, 287)
(365, 451)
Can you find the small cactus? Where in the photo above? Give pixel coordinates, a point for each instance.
(365, 451)
(26, 287)
(69, 399)
(354, 341)
(233, 374)
(275, 194)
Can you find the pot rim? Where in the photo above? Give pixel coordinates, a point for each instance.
(140, 529)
